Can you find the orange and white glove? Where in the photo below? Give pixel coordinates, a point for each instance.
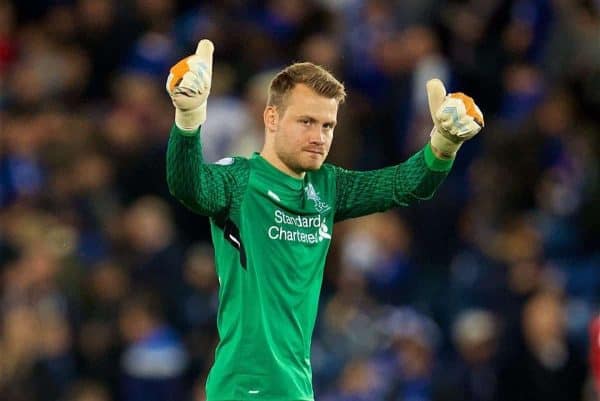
(456, 118)
(188, 85)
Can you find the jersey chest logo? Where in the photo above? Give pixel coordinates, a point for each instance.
(294, 228)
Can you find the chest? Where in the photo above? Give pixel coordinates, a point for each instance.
(287, 228)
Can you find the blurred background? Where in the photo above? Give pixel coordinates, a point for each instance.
(486, 293)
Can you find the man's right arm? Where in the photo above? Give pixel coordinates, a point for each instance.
(204, 188)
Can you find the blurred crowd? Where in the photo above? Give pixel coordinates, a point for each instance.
(485, 293)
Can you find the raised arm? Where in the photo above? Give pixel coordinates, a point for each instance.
(456, 118)
(206, 189)
(359, 193)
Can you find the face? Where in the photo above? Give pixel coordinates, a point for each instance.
(301, 136)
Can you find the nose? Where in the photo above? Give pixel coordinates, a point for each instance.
(317, 137)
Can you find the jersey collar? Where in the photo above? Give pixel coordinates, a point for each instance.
(278, 175)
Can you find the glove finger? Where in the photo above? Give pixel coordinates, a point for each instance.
(478, 111)
(452, 110)
(468, 129)
(199, 67)
(470, 106)
(204, 51)
(176, 74)
(191, 82)
(169, 85)
(185, 102)
(436, 93)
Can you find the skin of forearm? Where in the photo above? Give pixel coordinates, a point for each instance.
(438, 153)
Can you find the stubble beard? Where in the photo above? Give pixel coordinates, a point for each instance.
(295, 163)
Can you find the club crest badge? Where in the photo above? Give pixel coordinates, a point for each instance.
(312, 195)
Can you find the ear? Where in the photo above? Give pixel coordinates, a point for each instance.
(271, 118)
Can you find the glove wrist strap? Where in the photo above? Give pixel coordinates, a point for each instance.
(190, 120)
(447, 147)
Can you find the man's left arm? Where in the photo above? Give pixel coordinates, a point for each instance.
(456, 118)
(359, 193)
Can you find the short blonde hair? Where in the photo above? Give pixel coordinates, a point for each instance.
(315, 77)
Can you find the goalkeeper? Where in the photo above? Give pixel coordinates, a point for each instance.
(272, 214)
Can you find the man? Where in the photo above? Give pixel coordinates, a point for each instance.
(272, 215)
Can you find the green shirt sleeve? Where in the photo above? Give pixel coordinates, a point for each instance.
(359, 193)
(207, 189)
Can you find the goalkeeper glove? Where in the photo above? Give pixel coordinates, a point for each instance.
(188, 85)
(456, 118)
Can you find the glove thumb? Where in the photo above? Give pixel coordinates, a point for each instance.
(436, 93)
(204, 51)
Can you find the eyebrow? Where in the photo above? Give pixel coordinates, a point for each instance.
(312, 119)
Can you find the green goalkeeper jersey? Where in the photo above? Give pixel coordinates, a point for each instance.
(271, 234)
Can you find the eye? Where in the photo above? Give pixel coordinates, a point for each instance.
(305, 121)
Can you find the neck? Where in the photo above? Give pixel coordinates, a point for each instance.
(269, 155)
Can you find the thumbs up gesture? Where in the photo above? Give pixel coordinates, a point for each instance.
(456, 118)
(188, 85)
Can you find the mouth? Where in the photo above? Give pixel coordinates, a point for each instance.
(315, 151)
